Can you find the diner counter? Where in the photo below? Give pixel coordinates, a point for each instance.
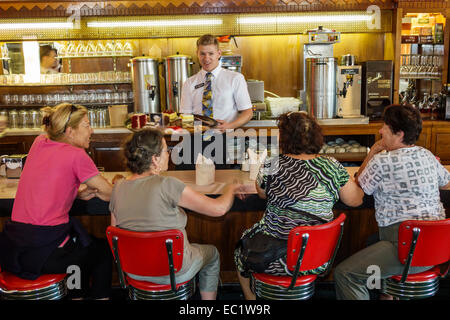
(223, 232)
(8, 187)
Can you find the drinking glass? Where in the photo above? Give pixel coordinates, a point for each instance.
(7, 99)
(71, 50)
(127, 49)
(81, 49)
(100, 49)
(91, 49)
(109, 49)
(32, 98)
(92, 117)
(101, 118)
(39, 99)
(118, 48)
(13, 119)
(24, 99)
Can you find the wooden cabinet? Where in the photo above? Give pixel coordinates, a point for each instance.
(106, 148)
(106, 151)
(440, 145)
(16, 144)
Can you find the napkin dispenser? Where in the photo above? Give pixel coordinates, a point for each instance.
(14, 165)
(204, 171)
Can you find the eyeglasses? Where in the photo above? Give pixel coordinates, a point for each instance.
(72, 110)
(168, 150)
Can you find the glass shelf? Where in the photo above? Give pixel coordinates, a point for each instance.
(64, 84)
(420, 78)
(96, 56)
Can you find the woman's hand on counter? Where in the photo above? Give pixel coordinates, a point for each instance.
(87, 193)
(116, 178)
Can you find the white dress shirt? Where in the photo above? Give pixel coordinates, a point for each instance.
(229, 94)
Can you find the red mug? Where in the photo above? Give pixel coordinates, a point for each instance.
(138, 120)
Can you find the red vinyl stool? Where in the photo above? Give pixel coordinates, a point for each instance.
(150, 254)
(420, 243)
(46, 287)
(308, 247)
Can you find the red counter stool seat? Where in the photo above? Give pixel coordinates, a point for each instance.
(420, 243)
(46, 287)
(150, 254)
(308, 247)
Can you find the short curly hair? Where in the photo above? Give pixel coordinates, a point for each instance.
(140, 148)
(299, 133)
(404, 118)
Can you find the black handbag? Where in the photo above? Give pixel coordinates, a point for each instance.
(258, 250)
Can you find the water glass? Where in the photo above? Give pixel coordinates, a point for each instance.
(35, 119)
(39, 99)
(24, 99)
(23, 119)
(101, 118)
(13, 119)
(92, 116)
(7, 99)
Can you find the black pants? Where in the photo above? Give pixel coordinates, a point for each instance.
(94, 261)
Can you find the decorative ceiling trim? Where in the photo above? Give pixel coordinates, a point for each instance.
(424, 5)
(91, 8)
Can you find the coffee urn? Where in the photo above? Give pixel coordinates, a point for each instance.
(145, 78)
(177, 69)
(321, 87)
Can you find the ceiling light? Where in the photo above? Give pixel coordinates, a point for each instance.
(36, 25)
(153, 23)
(305, 19)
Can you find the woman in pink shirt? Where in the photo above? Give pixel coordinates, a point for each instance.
(56, 166)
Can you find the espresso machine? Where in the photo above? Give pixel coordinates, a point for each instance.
(377, 87)
(348, 80)
(231, 62)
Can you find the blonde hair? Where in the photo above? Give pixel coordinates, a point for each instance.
(206, 40)
(57, 119)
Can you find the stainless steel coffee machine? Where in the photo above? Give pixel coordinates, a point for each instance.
(145, 75)
(231, 62)
(319, 73)
(349, 87)
(178, 68)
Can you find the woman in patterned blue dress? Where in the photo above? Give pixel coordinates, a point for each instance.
(301, 188)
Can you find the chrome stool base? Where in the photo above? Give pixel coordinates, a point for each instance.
(267, 291)
(184, 292)
(55, 291)
(411, 290)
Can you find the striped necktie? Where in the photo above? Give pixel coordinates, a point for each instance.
(207, 97)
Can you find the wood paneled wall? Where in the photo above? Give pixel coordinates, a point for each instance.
(275, 59)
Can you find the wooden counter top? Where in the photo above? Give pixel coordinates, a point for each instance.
(8, 187)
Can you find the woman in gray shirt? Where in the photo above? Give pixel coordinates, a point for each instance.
(148, 201)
